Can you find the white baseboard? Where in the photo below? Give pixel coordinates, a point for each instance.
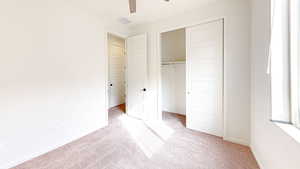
(256, 156)
(48, 149)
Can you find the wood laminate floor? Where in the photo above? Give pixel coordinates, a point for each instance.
(128, 143)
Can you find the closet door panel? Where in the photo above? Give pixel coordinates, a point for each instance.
(173, 88)
(205, 78)
(180, 83)
(168, 88)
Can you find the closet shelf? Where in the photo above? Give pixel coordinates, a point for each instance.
(172, 62)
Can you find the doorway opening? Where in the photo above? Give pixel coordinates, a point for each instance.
(173, 75)
(192, 72)
(116, 75)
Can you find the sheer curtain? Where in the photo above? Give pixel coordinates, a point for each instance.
(279, 62)
(295, 60)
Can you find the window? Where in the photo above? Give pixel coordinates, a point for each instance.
(284, 61)
(295, 60)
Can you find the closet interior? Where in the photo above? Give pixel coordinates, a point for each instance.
(173, 71)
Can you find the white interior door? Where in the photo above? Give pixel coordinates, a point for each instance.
(116, 71)
(205, 77)
(136, 75)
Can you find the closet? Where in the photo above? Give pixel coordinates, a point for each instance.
(173, 71)
(192, 75)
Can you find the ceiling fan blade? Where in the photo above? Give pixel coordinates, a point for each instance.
(132, 6)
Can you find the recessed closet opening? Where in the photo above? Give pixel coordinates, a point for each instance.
(173, 74)
(192, 75)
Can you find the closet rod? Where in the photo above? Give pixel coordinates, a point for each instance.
(172, 62)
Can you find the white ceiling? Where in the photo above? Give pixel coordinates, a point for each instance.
(147, 10)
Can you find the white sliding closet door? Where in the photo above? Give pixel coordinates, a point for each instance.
(205, 77)
(136, 75)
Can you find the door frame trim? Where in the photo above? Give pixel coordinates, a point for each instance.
(158, 68)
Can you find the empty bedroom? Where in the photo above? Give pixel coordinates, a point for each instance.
(139, 84)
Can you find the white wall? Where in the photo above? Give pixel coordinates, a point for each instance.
(237, 67)
(173, 88)
(52, 77)
(273, 148)
(173, 45)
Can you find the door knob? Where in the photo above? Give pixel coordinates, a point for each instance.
(110, 84)
(144, 89)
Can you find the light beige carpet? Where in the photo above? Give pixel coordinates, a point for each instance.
(128, 143)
